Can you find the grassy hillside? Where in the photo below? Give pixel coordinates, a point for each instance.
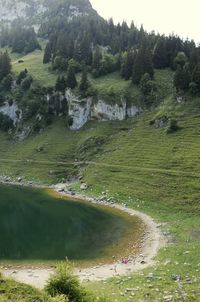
(50, 156)
(150, 170)
(105, 85)
(11, 291)
(155, 172)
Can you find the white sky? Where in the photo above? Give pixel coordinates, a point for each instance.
(181, 17)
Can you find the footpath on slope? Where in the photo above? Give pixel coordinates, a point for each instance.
(151, 243)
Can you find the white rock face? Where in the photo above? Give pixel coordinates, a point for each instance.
(103, 111)
(33, 11)
(75, 12)
(11, 111)
(13, 9)
(133, 111)
(81, 111)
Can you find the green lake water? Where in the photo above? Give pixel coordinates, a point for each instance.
(36, 226)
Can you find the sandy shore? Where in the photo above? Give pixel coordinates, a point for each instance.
(152, 242)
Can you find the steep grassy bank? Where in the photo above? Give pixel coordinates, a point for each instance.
(12, 291)
(158, 173)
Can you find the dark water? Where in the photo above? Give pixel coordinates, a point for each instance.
(37, 226)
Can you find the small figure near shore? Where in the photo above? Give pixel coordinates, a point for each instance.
(124, 261)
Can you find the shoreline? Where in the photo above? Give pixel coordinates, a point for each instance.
(152, 241)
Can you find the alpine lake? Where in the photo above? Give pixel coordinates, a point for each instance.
(39, 227)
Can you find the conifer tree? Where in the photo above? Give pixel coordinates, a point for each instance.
(182, 78)
(47, 54)
(86, 52)
(138, 68)
(71, 78)
(84, 83)
(143, 64)
(194, 59)
(60, 84)
(5, 65)
(97, 56)
(196, 76)
(127, 65)
(160, 54)
(148, 63)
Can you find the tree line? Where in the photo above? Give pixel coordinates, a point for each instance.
(79, 39)
(19, 38)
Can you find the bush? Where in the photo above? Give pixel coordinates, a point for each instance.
(193, 88)
(60, 63)
(26, 83)
(173, 126)
(2, 99)
(60, 298)
(67, 284)
(22, 75)
(5, 122)
(64, 284)
(6, 83)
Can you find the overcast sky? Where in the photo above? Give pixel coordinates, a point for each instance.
(181, 17)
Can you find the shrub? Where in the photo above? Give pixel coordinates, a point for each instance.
(193, 88)
(173, 126)
(64, 282)
(6, 83)
(2, 99)
(5, 122)
(60, 298)
(26, 83)
(22, 75)
(65, 286)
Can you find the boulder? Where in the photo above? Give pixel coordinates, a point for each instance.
(83, 186)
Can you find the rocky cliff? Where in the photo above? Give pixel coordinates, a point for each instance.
(14, 9)
(83, 110)
(80, 110)
(36, 12)
(12, 111)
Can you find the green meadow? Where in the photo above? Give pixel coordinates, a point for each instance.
(152, 171)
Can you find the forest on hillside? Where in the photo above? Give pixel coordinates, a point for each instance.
(89, 45)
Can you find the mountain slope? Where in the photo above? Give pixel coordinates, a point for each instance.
(143, 166)
(11, 10)
(36, 11)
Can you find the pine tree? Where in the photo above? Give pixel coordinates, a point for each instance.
(6, 83)
(47, 54)
(124, 36)
(5, 65)
(180, 59)
(127, 65)
(143, 64)
(160, 54)
(182, 78)
(71, 78)
(60, 84)
(194, 59)
(148, 89)
(77, 53)
(85, 48)
(84, 83)
(148, 63)
(97, 56)
(196, 76)
(22, 75)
